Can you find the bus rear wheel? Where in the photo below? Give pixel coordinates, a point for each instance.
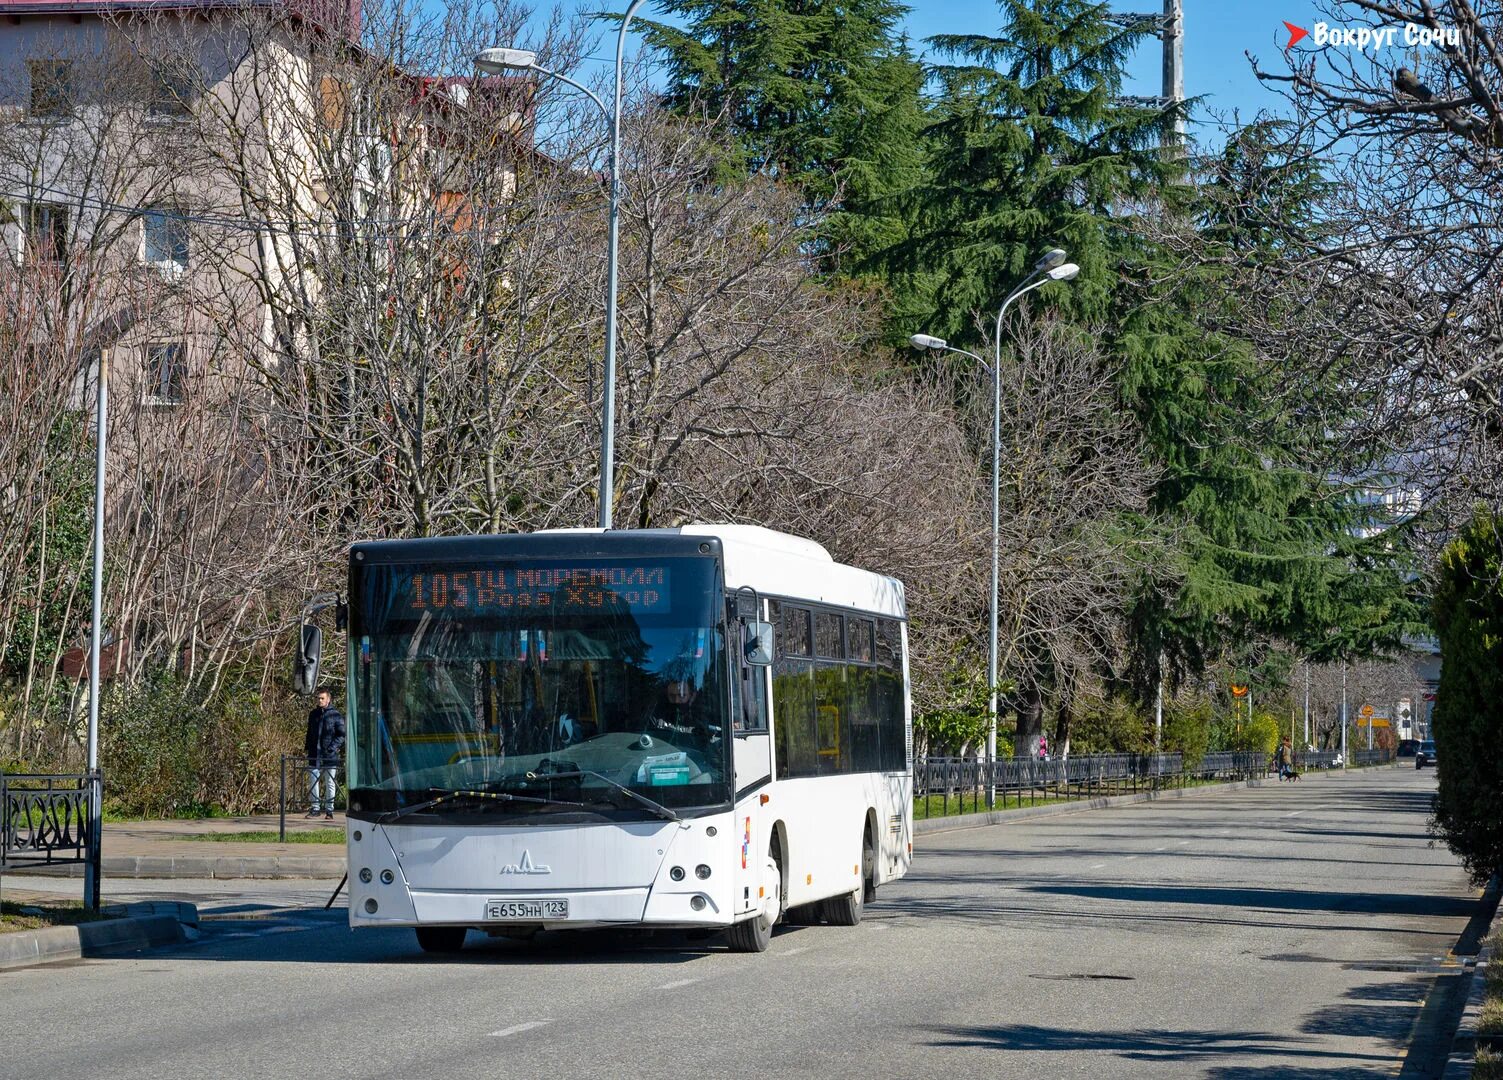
(846, 910)
(441, 939)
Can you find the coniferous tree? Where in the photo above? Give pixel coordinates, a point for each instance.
(1030, 147)
(1273, 535)
(825, 94)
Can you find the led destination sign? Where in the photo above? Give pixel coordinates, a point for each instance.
(642, 589)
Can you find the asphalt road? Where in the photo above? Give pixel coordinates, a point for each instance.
(1292, 930)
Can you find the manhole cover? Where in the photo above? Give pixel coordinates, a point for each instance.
(1083, 975)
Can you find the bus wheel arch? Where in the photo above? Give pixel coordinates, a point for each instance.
(755, 934)
(869, 854)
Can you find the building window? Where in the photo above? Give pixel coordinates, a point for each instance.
(164, 373)
(46, 232)
(166, 244)
(51, 87)
(173, 83)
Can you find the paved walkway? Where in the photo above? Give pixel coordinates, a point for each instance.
(167, 849)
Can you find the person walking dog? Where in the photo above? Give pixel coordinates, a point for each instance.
(1284, 759)
(323, 746)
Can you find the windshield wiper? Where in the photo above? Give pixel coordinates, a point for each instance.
(569, 769)
(461, 793)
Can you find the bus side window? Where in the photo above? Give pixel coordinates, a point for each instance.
(888, 703)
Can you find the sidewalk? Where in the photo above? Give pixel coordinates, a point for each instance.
(165, 849)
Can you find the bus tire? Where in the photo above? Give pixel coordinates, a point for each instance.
(805, 915)
(441, 939)
(755, 934)
(846, 910)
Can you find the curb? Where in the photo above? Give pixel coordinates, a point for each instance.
(1464, 1044)
(146, 926)
(957, 822)
(300, 867)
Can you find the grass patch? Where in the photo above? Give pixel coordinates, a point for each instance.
(269, 836)
(1490, 1021)
(1488, 1065)
(933, 806)
(25, 915)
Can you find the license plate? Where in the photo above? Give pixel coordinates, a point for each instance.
(525, 910)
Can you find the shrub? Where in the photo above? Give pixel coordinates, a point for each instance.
(1110, 726)
(168, 751)
(1468, 719)
(1187, 730)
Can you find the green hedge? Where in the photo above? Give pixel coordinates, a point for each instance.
(1468, 719)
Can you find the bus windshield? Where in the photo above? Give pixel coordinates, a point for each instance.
(553, 680)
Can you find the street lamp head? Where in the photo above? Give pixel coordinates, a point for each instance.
(1052, 258)
(1066, 272)
(495, 61)
(924, 341)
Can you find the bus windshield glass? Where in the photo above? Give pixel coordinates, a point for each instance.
(544, 679)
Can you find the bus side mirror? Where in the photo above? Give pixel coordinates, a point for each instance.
(757, 637)
(305, 663)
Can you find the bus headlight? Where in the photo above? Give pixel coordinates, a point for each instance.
(371, 905)
(676, 873)
(387, 877)
(701, 871)
(697, 903)
(365, 875)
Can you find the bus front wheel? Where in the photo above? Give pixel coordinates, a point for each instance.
(755, 934)
(441, 939)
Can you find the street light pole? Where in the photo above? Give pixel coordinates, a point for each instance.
(1052, 267)
(1307, 702)
(1343, 712)
(96, 633)
(501, 59)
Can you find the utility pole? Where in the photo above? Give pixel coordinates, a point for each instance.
(1169, 28)
(1173, 36)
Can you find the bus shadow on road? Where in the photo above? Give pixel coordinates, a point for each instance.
(1241, 896)
(1160, 1045)
(322, 943)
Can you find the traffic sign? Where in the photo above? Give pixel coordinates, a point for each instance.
(1238, 691)
(1366, 711)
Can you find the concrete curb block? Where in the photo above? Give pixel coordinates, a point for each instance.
(1464, 1045)
(146, 926)
(957, 822)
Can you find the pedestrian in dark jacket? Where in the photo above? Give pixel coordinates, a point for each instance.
(324, 748)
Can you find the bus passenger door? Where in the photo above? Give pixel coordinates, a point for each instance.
(753, 741)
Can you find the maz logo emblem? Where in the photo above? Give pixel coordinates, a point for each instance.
(526, 866)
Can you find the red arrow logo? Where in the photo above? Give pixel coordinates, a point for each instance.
(1296, 35)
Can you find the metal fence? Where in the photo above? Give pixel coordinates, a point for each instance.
(44, 820)
(957, 785)
(296, 789)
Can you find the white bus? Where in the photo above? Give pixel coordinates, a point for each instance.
(705, 728)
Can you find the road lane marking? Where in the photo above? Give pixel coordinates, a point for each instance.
(1296, 813)
(676, 983)
(517, 1029)
(1157, 849)
(1098, 866)
(1182, 843)
(1131, 857)
(795, 952)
